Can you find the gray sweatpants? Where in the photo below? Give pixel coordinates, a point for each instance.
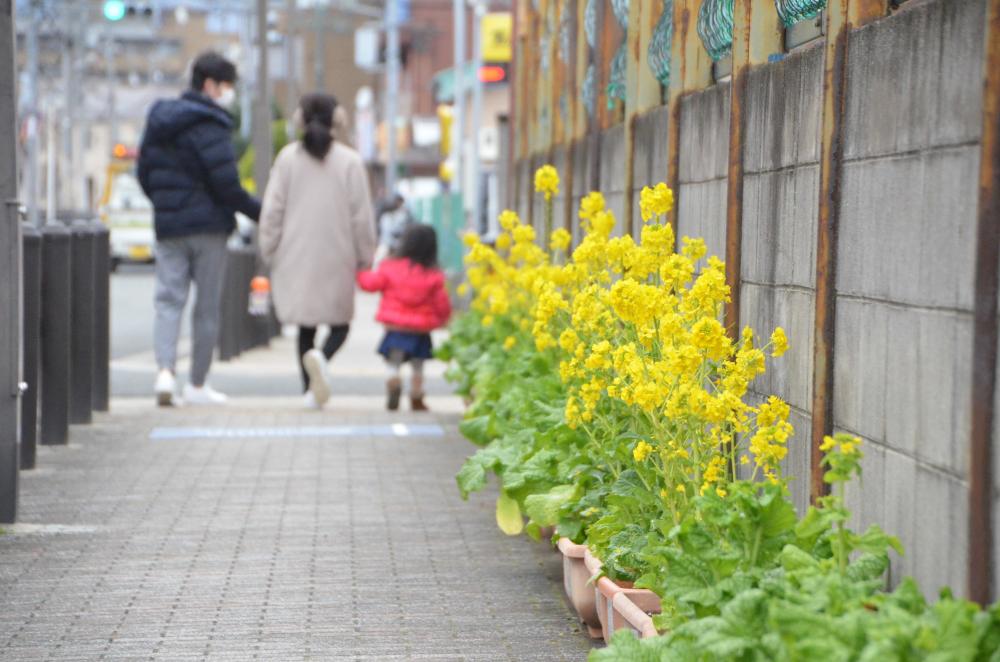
(201, 258)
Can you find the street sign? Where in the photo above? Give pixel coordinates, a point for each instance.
(497, 30)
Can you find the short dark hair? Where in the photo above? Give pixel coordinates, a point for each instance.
(419, 244)
(211, 65)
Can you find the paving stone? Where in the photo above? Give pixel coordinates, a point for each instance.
(270, 548)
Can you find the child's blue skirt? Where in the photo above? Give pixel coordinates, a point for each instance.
(412, 345)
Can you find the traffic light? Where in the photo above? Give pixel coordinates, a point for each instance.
(116, 10)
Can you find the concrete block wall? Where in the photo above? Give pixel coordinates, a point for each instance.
(583, 164)
(780, 207)
(649, 159)
(704, 157)
(611, 144)
(906, 254)
(523, 188)
(560, 159)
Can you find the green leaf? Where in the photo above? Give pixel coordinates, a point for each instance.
(509, 517)
(476, 430)
(471, 477)
(544, 509)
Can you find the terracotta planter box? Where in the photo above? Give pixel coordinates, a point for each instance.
(576, 583)
(620, 606)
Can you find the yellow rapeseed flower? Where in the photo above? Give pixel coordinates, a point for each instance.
(509, 342)
(642, 451)
(591, 205)
(779, 342)
(560, 240)
(655, 201)
(509, 220)
(470, 239)
(547, 181)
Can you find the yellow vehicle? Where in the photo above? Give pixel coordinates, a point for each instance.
(127, 212)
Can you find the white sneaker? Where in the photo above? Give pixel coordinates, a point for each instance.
(309, 400)
(319, 379)
(166, 389)
(205, 395)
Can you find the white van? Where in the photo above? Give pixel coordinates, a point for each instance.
(128, 213)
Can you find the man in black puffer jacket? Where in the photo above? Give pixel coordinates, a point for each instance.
(187, 167)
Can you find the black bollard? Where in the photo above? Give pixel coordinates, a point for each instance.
(101, 391)
(81, 369)
(32, 338)
(56, 333)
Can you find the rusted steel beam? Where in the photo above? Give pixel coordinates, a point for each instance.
(558, 74)
(582, 49)
(985, 334)
(682, 23)
(862, 12)
(831, 166)
(742, 10)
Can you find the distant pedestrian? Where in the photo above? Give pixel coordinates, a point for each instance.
(316, 232)
(414, 303)
(393, 219)
(187, 167)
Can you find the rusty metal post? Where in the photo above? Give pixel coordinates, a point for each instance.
(734, 182)
(831, 165)
(682, 22)
(984, 351)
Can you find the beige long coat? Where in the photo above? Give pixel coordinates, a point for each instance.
(316, 231)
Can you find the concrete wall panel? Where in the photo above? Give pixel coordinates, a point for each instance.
(763, 308)
(612, 173)
(907, 228)
(779, 227)
(702, 213)
(902, 378)
(704, 148)
(915, 80)
(783, 112)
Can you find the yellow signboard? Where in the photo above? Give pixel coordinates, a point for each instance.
(497, 30)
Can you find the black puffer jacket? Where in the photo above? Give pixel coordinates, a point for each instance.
(187, 167)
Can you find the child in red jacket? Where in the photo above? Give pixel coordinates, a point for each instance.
(414, 303)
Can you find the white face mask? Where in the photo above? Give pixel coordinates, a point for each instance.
(226, 97)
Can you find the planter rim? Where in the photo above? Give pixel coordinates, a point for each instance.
(571, 549)
(592, 562)
(636, 617)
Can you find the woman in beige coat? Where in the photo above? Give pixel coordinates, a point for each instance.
(316, 232)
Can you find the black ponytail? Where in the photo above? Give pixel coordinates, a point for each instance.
(317, 115)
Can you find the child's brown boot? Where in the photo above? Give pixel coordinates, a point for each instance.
(394, 389)
(417, 403)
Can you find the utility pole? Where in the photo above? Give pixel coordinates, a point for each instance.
(477, 115)
(109, 61)
(246, 89)
(319, 62)
(31, 179)
(10, 269)
(262, 105)
(291, 91)
(459, 125)
(70, 57)
(391, 91)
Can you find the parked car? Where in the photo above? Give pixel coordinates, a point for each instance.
(128, 213)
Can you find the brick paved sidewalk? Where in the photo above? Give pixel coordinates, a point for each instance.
(327, 547)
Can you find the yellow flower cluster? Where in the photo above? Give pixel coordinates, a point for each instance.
(547, 181)
(635, 328)
(656, 201)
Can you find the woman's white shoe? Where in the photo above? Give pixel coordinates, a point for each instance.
(319, 381)
(204, 395)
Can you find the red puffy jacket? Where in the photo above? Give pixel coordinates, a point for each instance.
(413, 297)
